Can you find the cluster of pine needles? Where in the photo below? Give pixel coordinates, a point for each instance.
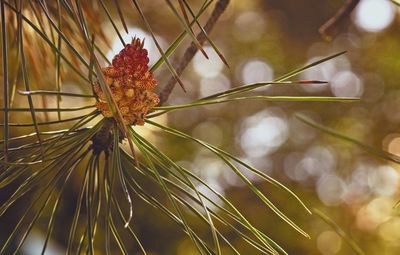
(42, 164)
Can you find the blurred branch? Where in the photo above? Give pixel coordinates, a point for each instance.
(333, 25)
(396, 2)
(346, 237)
(219, 8)
(6, 131)
(374, 151)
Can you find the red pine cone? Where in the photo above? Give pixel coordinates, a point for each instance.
(131, 84)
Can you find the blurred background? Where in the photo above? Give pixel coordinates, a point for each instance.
(262, 40)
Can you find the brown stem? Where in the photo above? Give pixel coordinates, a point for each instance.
(102, 140)
(219, 8)
(333, 25)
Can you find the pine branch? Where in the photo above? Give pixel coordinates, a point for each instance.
(332, 26)
(219, 8)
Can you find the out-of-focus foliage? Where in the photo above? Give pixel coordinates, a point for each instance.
(262, 40)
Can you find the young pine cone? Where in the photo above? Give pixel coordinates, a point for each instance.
(131, 84)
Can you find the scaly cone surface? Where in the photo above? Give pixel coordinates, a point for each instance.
(131, 84)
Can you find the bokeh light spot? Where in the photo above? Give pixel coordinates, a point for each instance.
(346, 84)
(263, 133)
(329, 243)
(257, 71)
(330, 189)
(384, 180)
(393, 143)
(373, 15)
(252, 24)
(212, 85)
(317, 161)
(207, 67)
(370, 216)
(324, 72)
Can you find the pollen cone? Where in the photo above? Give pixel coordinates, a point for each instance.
(131, 84)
